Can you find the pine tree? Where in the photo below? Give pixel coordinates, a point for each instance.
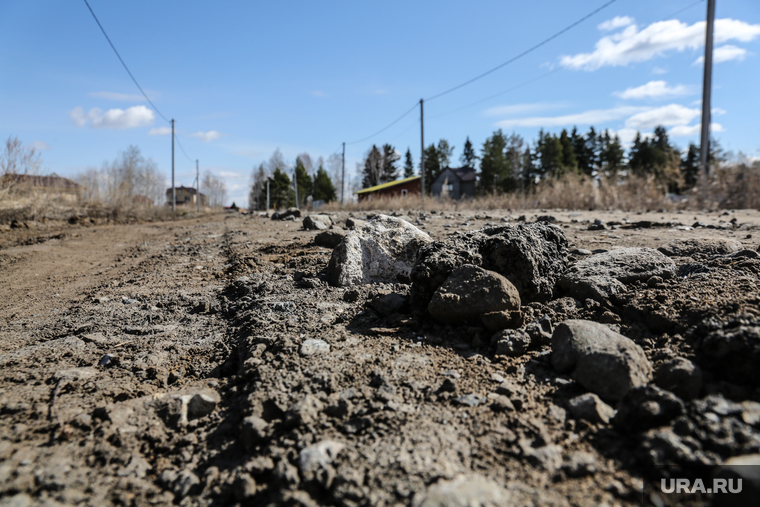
(549, 153)
(279, 190)
(323, 186)
(495, 169)
(303, 180)
(444, 153)
(582, 153)
(513, 154)
(432, 166)
(469, 156)
(592, 150)
(610, 154)
(408, 164)
(389, 169)
(690, 166)
(569, 160)
(372, 168)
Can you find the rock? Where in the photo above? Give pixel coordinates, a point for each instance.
(354, 223)
(201, 405)
(751, 413)
(598, 288)
(463, 491)
(540, 331)
(290, 213)
(598, 225)
(624, 265)
(580, 464)
(531, 256)
(681, 377)
(313, 347)
(470, 292)
(253, 431)
(388, 304)
(591, 408)
(351, 296)
(316, 222)
(601, 360)
(500, 403)
(744, 468)
(184, 483)
(304, 412)
(548, 457)
(316, 460)
(700, 247)
(329, 239)
(381, 251)
(496, 321)
(17, 500)
(512, 342)
(647, 407)
(470, 400)
(580, 251)
(732, 353)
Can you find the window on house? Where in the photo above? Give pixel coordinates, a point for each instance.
(404, 192)
(450, 187)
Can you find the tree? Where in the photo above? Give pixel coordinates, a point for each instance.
(514, 158)
(690, 166)
(495, 169)
(469, 156)
(611, 154)
(432, 166)
(657, 158)
(17, 160)
(215, 189)
(303, 181)
(408, 164)
(324, 189)
(549, 154)
(389, 169)
(279, 189)
(335, 170)
(257, 194)
(132, 175)
(569, 160)
(444, 153)
(373, 168)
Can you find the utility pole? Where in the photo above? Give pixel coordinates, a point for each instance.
(422, 155)
(343, 174)
(704, 145)
(197, 186)
(174, 189)
(295, 185)
(267, 194)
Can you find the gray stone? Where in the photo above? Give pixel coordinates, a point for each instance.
(184, 483)
(601, 360)
(381, 251)
(732, 353)
(496, 321)
(313, 347)
(647, 407)
(598, 288)
(290, 213)
(304, 412)
(624, 265)
(512, 342)
(316, 222)
(201, 404)
(591, 408)
(470, 400)
(500, 403)
(354, 223)
(470, 292)
(700, 246)
(548, 457)
(531, 256)
(316, 460)
(751, 413)
(253, 431)
(388, 304)
(579, 464)
(329, 239)
(463, 491)
(540, 331)
(680, 376)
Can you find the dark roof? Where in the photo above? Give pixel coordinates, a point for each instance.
(465, 173)
(190, 190)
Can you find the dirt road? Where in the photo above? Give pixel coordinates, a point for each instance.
(170, 363)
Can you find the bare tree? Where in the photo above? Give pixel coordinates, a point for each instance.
(131, 176)
(335, 171)
(17, 160)
(257, 193)
(216, 190)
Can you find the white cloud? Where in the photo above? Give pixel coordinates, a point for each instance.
(121, 97)
(40, 146)
(616, 22)
(633, 45)
(688, 131)
(628, 135)
(137, 116)
(229, 174)
(209, 136)
(717, 111)
(653, 89)
(668, 116)
(160, 131)
(724, 54)
(521, 108)
(593, 117)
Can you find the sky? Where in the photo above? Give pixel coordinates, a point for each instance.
(242, 79)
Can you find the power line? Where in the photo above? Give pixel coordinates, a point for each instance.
(183, 149)
(124, 64)
(387, 126)
(515, 58)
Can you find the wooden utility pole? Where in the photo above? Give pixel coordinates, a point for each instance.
(704, 145)
(343, 174)
(422, 154)
(197, 186)
(174, 189)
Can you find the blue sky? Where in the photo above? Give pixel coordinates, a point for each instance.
(244, 78)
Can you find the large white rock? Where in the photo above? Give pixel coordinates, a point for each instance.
(381, 251)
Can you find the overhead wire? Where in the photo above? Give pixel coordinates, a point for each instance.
(387, 126)
(181, 148)
(527, 51)
(124, 64)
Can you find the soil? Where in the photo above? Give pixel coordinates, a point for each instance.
(111, 334)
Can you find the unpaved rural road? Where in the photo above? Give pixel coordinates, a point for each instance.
(163, 363)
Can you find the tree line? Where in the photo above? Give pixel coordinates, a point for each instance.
(507, 163)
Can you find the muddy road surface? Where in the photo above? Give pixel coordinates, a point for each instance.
(207, 361)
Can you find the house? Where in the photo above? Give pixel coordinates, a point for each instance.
(402, 188)
(454, 183)
(42, 187)
(185, 195)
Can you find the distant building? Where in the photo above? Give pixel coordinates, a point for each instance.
(52, 181)
(185, 195)
(141, 200)
(398, 188)
(455, 183)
